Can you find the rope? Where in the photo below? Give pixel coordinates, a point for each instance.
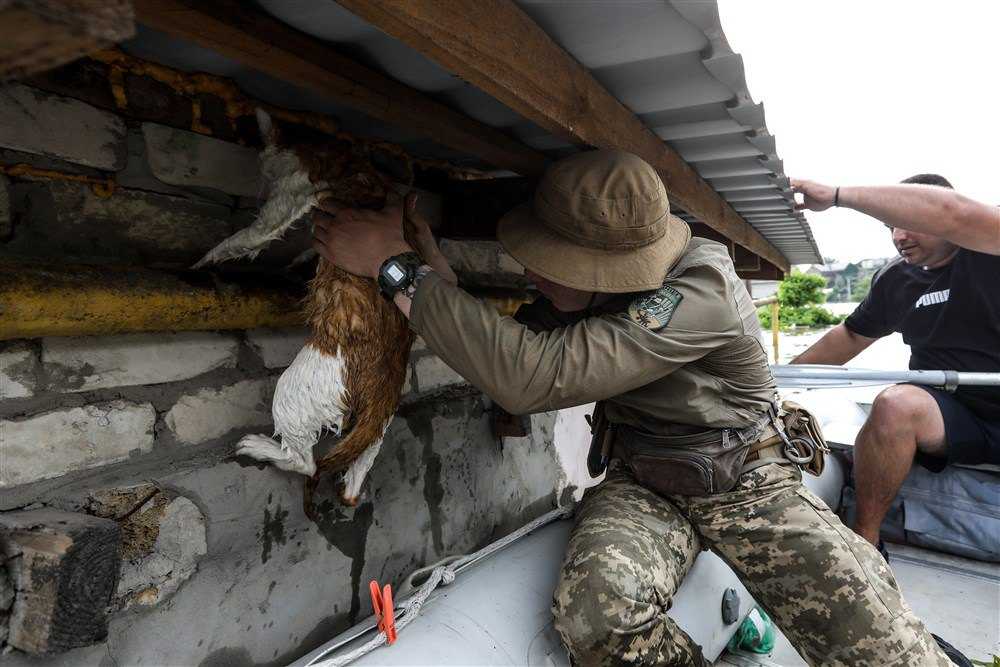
(441, 573)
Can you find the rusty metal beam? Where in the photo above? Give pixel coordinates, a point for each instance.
(495, 46)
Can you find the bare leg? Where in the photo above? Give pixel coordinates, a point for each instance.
(904, 419)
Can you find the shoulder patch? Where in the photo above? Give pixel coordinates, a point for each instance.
(653, 310)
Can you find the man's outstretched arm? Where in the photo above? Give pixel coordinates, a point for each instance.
(838, 346)
(926, 209)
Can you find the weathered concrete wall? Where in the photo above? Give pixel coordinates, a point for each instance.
(220, 564)
(276, 583)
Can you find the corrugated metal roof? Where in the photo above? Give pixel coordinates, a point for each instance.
(669, 62)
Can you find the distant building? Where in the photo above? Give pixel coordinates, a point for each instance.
(874, 264)
(847, 281)
(826, 270)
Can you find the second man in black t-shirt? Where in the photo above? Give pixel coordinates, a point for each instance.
(941, 295)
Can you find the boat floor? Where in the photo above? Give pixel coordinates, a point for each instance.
(957, 598)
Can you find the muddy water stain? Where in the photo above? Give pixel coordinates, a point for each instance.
(272, 531)
(420, 423)
(349, 534)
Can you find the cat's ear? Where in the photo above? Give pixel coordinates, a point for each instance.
(268, 132)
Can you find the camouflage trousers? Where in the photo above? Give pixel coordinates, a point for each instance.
(828, 589)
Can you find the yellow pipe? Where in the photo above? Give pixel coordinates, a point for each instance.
(103, 187)
(81, 300)
(40, 301)
(774, 329)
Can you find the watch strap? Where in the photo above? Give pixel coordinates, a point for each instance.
(410, 261)
(411, 290)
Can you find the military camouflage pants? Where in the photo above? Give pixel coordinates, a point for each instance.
(828, 590)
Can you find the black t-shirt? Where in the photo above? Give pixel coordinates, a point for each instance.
(950, 318)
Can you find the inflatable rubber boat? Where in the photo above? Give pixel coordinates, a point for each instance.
(496, 609)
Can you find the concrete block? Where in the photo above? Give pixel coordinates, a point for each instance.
(97, 362)
(507, 264)
(140, 227)
(62, 441)
(37, 122)
(163, 537)
(408, 381)
(277, 347)
(185, 158)
(483, 263)
(6, 224)
(180, 544)
(211, 413)
(433, 373)
(472, 256)
(18, 364)
(137, 175)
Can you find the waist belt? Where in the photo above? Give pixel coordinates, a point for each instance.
(725, 437)
(755, 436)
(709, 460)
(767, 450)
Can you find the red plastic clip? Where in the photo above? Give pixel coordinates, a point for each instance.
(384, 612)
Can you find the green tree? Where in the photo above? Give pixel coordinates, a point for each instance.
(799, 296)
(861, 288)
(801, 289)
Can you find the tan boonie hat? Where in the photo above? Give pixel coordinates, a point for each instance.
(600, 221)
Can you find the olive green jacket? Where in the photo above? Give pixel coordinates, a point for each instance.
(703, 366)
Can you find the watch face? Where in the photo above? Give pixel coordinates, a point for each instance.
(394, 273)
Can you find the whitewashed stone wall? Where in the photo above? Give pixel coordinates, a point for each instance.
(441, 485)
(90, 424)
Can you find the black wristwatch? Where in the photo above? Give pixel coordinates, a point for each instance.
(398, 273)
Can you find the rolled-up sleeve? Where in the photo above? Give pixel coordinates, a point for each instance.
(596, 358)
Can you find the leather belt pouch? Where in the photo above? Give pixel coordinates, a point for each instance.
(804, 433)
(685, 465)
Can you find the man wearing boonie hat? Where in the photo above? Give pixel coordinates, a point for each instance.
(658, 329)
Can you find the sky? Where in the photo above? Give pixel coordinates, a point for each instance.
(862, 92)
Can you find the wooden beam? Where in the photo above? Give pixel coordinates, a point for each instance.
(767, 271)
(495, 46)
(237, 30)
(745, 260)
(37, 35)
(706, 232)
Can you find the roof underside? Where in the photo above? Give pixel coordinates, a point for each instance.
(668, 62)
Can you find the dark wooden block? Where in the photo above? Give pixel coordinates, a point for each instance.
(36, 35)
(64, 567)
